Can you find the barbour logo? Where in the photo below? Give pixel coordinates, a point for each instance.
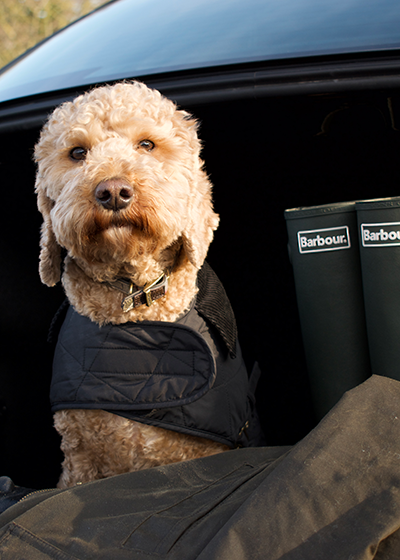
(328, 239)
(380, 235)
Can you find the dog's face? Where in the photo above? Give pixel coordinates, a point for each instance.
(119, 175)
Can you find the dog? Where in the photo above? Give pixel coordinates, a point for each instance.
(124, 196)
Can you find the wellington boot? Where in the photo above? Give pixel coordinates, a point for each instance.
(324, 251)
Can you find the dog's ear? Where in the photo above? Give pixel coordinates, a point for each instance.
(202, 221)
(50, 250)
(201, 224)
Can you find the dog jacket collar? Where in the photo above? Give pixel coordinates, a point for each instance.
(180, 376)
(211, 302)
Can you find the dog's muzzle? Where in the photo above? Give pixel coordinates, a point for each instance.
(114, 194)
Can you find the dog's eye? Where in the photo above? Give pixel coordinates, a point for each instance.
(147, 145)
(78, 153)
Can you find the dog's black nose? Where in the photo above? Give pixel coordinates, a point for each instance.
(114, 194)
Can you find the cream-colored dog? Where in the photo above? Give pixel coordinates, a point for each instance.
(121, 188)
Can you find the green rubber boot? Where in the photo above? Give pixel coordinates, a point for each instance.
(379, 228)
(324, 251)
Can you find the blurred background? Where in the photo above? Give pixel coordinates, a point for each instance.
(24, 23)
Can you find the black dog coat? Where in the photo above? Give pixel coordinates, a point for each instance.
(188, 376)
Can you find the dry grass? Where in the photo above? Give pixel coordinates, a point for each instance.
(24, 23)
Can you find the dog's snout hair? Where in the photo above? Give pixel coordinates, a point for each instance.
(114, 194)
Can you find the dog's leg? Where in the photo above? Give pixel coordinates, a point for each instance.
(97, 444)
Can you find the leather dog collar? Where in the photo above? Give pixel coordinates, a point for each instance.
(136, 295)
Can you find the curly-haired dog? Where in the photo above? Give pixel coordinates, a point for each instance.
(147, 369)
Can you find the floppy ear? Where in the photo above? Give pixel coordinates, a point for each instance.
(201, 224)
(50, 250)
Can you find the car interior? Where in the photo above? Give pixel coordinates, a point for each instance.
(263, 154)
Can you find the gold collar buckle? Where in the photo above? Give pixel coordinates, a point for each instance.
(135, 299)
(147, 288)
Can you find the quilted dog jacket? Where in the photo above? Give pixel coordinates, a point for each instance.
(188, 376)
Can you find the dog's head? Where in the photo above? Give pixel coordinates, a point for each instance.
(119, 175)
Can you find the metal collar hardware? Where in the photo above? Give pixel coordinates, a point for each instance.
(137, 296)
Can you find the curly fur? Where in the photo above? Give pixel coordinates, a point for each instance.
(168, 223)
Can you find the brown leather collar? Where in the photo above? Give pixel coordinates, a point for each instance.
(136, 295)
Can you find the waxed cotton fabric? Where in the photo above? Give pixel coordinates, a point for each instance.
(335, 495)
